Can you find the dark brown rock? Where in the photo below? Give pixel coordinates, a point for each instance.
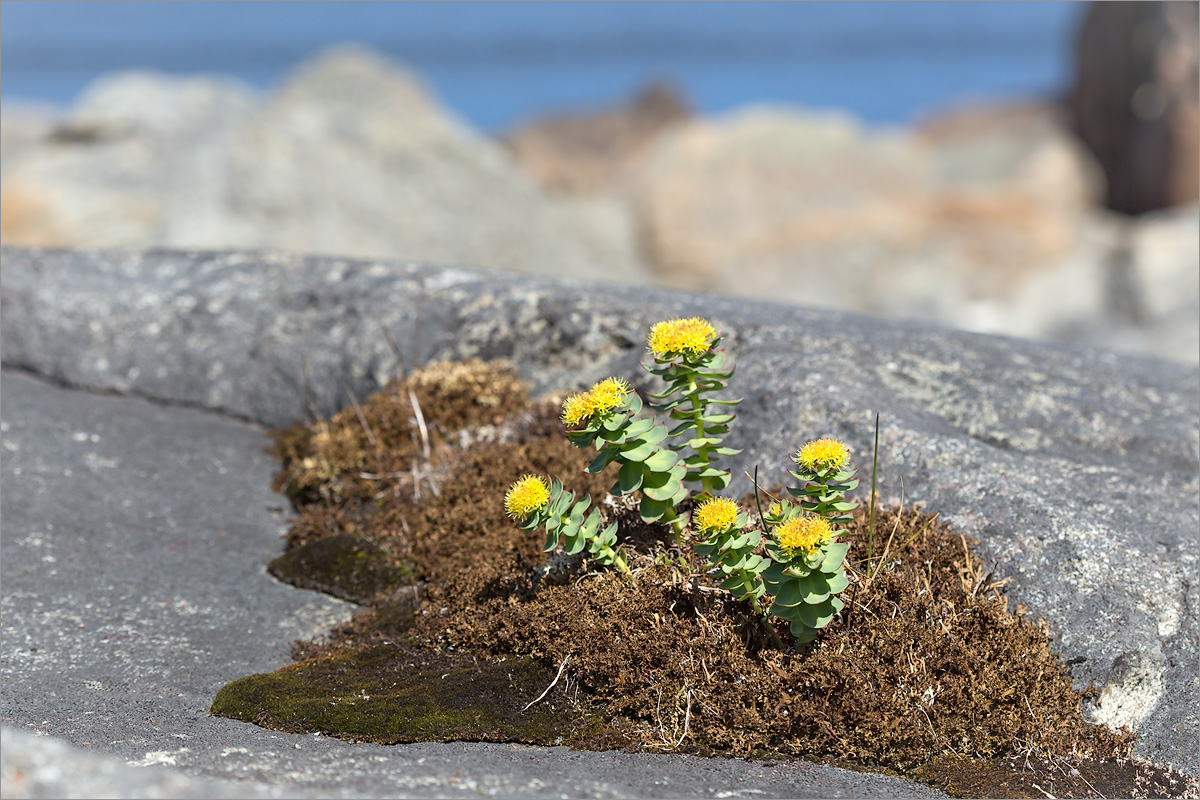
(1135, 104)
(590, 150)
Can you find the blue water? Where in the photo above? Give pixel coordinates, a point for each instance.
(499, 63)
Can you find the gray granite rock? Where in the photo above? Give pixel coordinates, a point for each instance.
(135, 539)
(1075, 469)
(352, 154)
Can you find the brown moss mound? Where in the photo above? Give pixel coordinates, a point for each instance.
(350, 567)
(926, 671)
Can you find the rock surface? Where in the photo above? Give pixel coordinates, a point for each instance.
(136, 536)
(1076, 470)
(351, 156)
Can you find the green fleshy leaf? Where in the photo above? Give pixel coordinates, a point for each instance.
(662, 461)
(797, 569)
(581, 438)
(817, 616)
(606, 437)
(784, 612)
(638, 426)
(814, 588)
(634, 404)
(638, 451)
(602, 460)
(718, 419)
(773, 573)
(727, 451)
(629, 478)
(802, 632)
(735, 584)
(613, 421)
(835, 554)
(655, 434)
(608, 536)
(663, 492)
(788, 594)
(653, 510)
(837, 581)
(686, 425)
(574, 544)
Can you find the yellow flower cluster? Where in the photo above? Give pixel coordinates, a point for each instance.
(526, 496)
(576, 409)
(606, 395)
(822, 454)
(803, 533)
(692, 336)
(716, 514)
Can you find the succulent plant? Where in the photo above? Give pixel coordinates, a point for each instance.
(806, 572)
(607, 418)
(566, 520)
(685, 355)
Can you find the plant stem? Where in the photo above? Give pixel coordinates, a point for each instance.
(678, 525)
(871, 525)
(762, 617)
(761, 517)
(698, 416)
(619, 561)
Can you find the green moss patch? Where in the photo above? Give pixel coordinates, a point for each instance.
(388, 695)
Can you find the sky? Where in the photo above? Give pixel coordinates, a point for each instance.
(499, 63)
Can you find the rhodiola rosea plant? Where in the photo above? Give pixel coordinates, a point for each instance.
(790, 552)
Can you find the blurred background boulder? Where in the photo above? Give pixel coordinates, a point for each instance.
(350, 156)
(1136, 101)
(1072, 221)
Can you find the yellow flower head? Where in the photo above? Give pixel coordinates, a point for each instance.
(803, 533)
(692, 336)
(716, 514)
(822, 454)
(576, 408)
(526, 496)
(607, 395)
